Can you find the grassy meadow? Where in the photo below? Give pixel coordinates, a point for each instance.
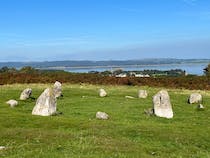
(129, 133)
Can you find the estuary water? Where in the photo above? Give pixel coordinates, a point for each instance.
(194, 68)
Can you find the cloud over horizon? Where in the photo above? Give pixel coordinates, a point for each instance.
(200, 48)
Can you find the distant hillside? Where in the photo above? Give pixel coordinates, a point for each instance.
(86, 63)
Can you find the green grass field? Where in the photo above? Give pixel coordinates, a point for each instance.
(128, 133)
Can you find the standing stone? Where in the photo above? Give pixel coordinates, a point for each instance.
(12, 103)
(45, 104)
(58, 89)
(195, 98)
(102, 115)
(26, 93)
(102, 93)
(162, 104)
(142, 94)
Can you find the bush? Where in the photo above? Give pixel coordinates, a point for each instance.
(31, 75)
(207, 71)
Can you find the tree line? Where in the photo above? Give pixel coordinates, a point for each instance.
(31, 75)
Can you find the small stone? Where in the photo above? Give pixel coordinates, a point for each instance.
(129, 97)
(195, 98)
(142, 94)
(102, 115)
(2, 147)
(153, 153)
(12, 103)
(26, 93)
(149, 111)
(102, 93)
(200, 106)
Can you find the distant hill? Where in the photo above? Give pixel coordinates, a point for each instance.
(86, 63)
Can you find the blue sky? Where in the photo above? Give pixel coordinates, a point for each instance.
(38, 30)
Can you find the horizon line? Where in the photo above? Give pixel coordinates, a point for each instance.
(40, 61)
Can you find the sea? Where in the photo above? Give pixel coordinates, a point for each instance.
(190, 68)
